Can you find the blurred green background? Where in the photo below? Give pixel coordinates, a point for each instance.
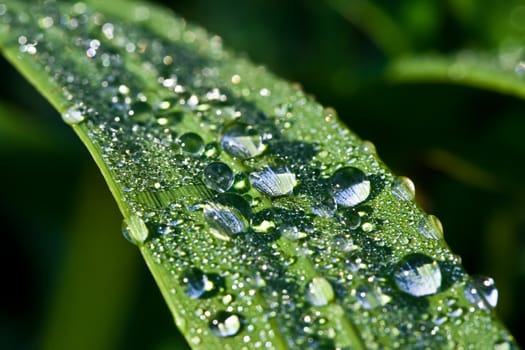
(71, 282)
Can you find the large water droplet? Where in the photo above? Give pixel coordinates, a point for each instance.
(242, 141)
(135, 230)
(218, 176)
(350, 186)
(418, 275)
(371, 297)
(225, 324)
(227, 216)
(199, 285)
(73, 116)
(191, 143)
(273, 182)
(430, 227)
(482, 292)
(319, 292)
(403, 188)
(504, 345)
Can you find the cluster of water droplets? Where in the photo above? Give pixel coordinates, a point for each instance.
(266, 227)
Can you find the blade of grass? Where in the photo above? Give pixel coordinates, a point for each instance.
(374, 22)
(315, 242)
(478, 70)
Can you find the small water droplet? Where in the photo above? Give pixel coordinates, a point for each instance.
(135, 230)
(73, 116)
(273, 182)
(292, 232)
(367, 227)
(212, 150)
(325, 206)
(430, 227)
(418, 275)
(225, 324)
(241, 183)
(242, 141)
(520, 68)
(482, 292)
(218, 176)
(191, 143)
(319, 292)
(227, 216)
(403, 188)
(350, 186)
(371, 297)
(199, 285)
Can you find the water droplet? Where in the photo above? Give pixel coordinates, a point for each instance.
(418, 275)
(292, 232)
(504, 345)
(350, 186)
(319, 292)
(273, 182)
(73, 116)
(371, 297)
(367, 227)
(199, 285)
(482, 292)
(225, 324)
(212, 150)
(325, 206)
(135, 230)
(403, 188)
(430, 227)
(218, 176)
(242, 141)
(227, 216)
(191, 143)
(241, 183)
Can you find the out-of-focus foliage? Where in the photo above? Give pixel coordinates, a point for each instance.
(462, 146)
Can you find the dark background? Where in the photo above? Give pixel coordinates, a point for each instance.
(463, 147)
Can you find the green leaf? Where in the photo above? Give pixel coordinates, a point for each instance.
(502, 72)
(265, 221)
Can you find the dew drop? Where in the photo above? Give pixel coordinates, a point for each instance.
(199, 285)
(241, 184)
(504, 345)
(371, 297)
(225, 324)
(73, 116)
(218, 176)
(191, 143)
(212, 150)
(227, 216)
(242, 141)
(403, 188)
(430, 227)
(135, 230)
(274, 182)
(325, 206)
(418, 275)
(482, 292)
(350, 186)
(319, 292)
(292, 232)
